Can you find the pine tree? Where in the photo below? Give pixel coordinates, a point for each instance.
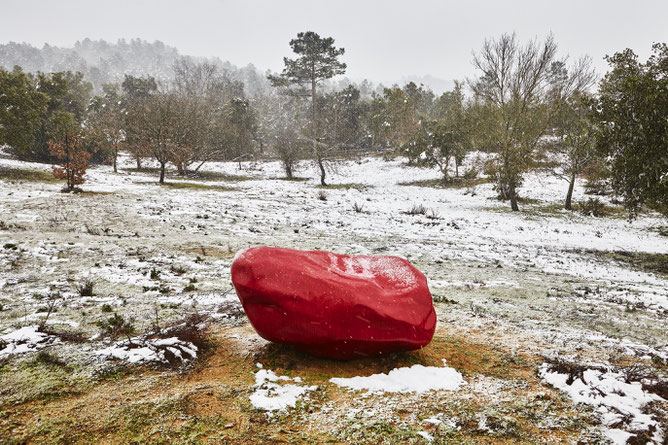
(318, 60)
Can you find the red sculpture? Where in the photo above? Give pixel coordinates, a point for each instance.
(337, 306)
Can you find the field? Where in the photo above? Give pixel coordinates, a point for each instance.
(523, 299)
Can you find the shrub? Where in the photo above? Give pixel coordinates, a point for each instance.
(472, 173)
(593, 207)
(155, 274)
(417, 209)
(189, 288)
(177, 270)
(117, 326)
(322, 196)
(106, 308)
(49, 359)
(358, 208)
(85, 289)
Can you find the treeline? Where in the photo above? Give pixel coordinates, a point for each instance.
(527, 108)
(108, 62)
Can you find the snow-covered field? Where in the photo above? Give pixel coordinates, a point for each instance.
(542, 283)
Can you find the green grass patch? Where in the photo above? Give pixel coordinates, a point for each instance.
(199, 176)
(218, 176)
(343, 186)
(293, 179)
(643, 261)
(43, 377)
(27, 175)
(181, 185)
(452, 183)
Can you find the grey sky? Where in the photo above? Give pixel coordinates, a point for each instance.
(384, 40)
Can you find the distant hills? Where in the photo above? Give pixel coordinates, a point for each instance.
(102, 62)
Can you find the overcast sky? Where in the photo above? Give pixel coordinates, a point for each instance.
(385, 41)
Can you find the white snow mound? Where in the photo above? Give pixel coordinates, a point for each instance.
(416, 379)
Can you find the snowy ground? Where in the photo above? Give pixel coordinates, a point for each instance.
(540, 282)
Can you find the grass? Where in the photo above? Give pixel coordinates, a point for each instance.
(210, 402)
(27, 175)
(643, 261)
(182, 185)
(535, 208)
(453, 183)
(343, 186)
(199, 176)
(293, 179)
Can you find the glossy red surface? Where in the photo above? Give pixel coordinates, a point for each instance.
(336, 306)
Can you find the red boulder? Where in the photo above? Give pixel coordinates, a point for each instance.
(337, 306)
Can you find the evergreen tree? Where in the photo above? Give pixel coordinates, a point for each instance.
(317, 60)
(633, 113)
(20, 108)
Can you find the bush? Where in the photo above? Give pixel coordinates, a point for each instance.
(358, 208)
(417, 209)
(472, 173)
(322, 196)
(85, 289)
(593, 207)
(106, 308)
(116, 326)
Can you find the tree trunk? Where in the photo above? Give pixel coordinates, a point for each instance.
(322, 172)
(288, 170)
(569, 195)
(513, 198)
(68, 165)
(162, 172)
(115, 161)
(138, 163)
(456, 169)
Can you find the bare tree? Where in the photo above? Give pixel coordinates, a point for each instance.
(514, 104)
(572, 119)
(154, 122)
(576, 142)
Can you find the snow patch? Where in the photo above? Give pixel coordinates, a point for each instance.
(417, 379)
(21, 341)
(270, 395)
(618, 403)
(151, 350)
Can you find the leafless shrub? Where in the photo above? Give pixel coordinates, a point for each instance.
(322, 196)
(432, 214)
(92, 230)
(417, 209)
(358, 208)
(68, 336)
(52, 302)
(177, 269)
